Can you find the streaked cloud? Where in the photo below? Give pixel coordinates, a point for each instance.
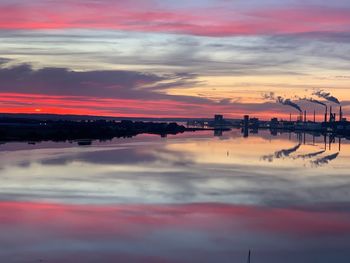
(207, 19)
(230, 51)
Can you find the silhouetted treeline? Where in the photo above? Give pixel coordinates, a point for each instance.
(33, 130)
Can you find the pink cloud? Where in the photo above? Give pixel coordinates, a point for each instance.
(148, 17)
(162, 108)
(137, 220)
(204, 232)
(84, 105)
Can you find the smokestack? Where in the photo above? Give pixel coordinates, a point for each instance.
(330, 113)
(314, 116)
(305, 116)
(340, 114)
(326, 114)
(290, 117)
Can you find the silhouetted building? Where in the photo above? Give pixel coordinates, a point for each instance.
(246, 121)
(274, 123)
(332, 116)
(254, 123)
(219, 122)
(218, 118)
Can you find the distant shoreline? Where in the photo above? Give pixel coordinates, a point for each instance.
(72, 117)
(19, 129)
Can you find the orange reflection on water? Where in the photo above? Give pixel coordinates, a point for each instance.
(287, 150)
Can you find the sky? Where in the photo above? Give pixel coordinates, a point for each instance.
(152, 58)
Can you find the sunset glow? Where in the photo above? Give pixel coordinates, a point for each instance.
(160, 59)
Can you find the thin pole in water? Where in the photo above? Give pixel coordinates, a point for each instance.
(249, 256)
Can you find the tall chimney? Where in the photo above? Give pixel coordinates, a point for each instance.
(340, 114)
(305, 116)
(290, 117)
(314, 116)
(330, 113)
(326, 114)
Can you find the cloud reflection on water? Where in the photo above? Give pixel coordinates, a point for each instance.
(177, 170)
(204, 232)
(187, 198)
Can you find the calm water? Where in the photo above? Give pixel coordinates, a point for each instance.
(185, 198)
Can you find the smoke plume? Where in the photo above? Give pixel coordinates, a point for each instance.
(309, 155)
(326, 95)
(269, 96)
(288, 102)
(281, 100)
(325, 160)
(314, 101)
(284, 153)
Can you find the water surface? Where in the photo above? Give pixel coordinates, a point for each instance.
(193, 197)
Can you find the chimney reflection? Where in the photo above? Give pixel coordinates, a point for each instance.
(311, 157)
(218, 133)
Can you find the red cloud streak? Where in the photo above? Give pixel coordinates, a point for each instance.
(135, 220)
(82, 105)
(207, 232)
(117, 15)
(85, 105)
